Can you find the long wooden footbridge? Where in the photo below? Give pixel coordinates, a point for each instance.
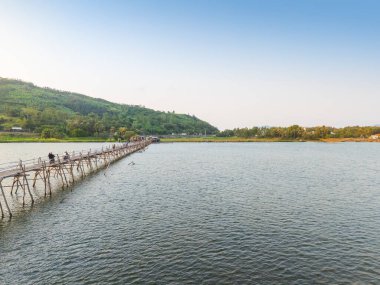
(60, 171)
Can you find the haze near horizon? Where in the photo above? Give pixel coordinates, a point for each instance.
(231, 63)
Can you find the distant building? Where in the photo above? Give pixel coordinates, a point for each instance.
(154, 139)
(375, 137)
(16, 129)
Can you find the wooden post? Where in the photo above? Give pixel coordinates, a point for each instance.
(36, 173)
(72, 170)
(80, 164)
(27, 185)
(13, 184)
(59, 172)
(5, 199)
(48, 179)
(64, 167)
(18, 183)
(89, 161)
(44, 174)
(2, 212)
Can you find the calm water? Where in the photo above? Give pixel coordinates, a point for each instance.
(253, 213)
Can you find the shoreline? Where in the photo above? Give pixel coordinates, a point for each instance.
(240, 140)
(181, 140)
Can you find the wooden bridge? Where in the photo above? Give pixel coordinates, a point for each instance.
(63, 171)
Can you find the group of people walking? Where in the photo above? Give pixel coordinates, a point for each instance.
(51, 157)
(66, 156)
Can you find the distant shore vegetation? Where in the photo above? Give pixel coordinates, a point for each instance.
(255, 134)
(296, 132)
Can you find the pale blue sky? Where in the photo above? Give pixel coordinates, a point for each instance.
(232, 63)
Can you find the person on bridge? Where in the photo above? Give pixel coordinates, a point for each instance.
(66, 156)
(51, 157)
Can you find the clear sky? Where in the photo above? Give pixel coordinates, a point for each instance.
(232, 63)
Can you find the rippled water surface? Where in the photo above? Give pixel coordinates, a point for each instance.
(250, 213)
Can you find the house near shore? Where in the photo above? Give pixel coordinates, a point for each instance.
(375, 137)
(154, 139)
(16, 129)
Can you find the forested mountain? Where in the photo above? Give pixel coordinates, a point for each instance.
(57, 113)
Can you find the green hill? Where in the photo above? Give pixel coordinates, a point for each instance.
(58, 113)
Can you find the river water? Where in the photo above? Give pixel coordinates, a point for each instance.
(206, 213)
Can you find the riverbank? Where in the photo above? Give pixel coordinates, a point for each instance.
(336, 140)
(238, 139)
(34, 138)
(223, 139)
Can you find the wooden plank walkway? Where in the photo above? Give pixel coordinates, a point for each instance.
(64, 168)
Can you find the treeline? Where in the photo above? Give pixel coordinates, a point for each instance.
(58, 114)
(56, 123)
(298, 132)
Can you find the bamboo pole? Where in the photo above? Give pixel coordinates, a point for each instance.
(58, 170)
(5, 199)
(13, 184)
(48, 179)
(27, 185)
(44, 175)
(2, 212)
